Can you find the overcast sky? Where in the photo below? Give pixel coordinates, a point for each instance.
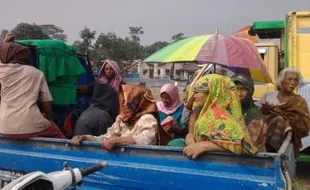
(160, 19)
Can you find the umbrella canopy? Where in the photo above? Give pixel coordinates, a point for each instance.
(228, 51)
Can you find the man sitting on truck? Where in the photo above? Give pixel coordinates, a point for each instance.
(21, 85)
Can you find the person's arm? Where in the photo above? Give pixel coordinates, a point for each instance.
(179, 127)
(148, 128)
(46, 98)
(123, 140)
(111, 133)
(9, 37)
(47, 109)
(89, 88)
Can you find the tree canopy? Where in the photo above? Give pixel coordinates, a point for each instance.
(98, 47)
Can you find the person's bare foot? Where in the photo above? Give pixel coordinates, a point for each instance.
(196, 149)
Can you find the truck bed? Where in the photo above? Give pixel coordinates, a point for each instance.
(143, 167)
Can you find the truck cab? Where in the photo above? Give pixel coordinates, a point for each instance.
(293, 49)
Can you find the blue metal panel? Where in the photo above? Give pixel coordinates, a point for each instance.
(146, 167)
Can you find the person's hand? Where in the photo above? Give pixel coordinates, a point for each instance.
(275, 110)
(194, 150)
(108, 144)
(9, 37)
(190, 139)
(266, 108)
(82, 88)
(78, 139)
(167, 128)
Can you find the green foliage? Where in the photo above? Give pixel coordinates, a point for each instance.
(178, 36)
(54, 32)
(25, 31)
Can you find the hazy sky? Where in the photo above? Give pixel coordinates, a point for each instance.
(160, 19)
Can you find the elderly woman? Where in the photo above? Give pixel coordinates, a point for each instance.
(253, 117)
(285, 111)
(170, 110)
(104, 106)
(136, 123)
(21, 86)
(109, 74)
(219, 125)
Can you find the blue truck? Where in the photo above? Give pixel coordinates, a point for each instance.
(143, 167)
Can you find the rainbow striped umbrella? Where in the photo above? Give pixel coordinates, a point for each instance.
(228, 51)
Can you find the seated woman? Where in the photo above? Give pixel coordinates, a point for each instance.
(170, 112)
(254, 121)
(101, 114)
(285, 111)
(104, 107)
(21, 87)
(136, 123)
(219, 125)
(109, 74)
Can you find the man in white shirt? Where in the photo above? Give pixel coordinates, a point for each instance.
(21, 86)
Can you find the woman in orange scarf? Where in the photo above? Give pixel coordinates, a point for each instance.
(137, 122)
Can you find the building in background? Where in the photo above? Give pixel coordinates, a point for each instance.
(139, 69)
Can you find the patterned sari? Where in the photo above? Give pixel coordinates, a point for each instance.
(220, 119)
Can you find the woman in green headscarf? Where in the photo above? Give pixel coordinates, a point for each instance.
(253, 118)
(220, 125)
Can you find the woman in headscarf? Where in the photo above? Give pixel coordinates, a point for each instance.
(136, 123)
(104, 108)
(285, 111)
(109, 74)
(220, 125)
(21, 86)
(170, 112)
(253, 117)
(102, 112)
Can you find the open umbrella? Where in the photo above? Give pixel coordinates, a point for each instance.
(228, 51)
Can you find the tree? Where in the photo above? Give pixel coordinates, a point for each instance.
(87, 36)
(24, 31)
(135, 32)
(178, 36)
(133, 48)
(54, 32)
(109, 46)
(149, 50)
